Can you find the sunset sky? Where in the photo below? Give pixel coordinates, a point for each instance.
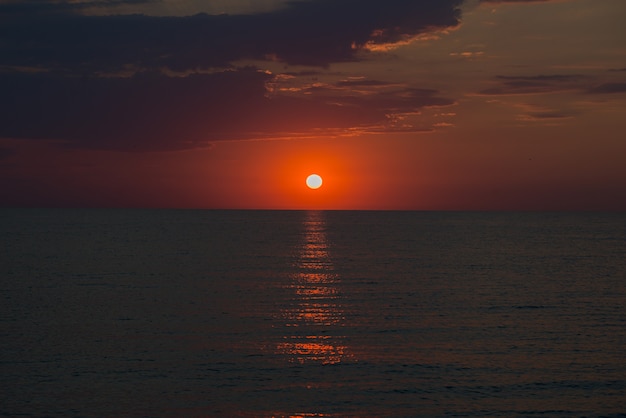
(396, 104)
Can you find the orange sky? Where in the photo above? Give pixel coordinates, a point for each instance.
(516, 106)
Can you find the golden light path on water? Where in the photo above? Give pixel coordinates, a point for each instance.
(316, 314)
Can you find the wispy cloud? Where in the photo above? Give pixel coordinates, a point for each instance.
(546, 116)
(151, 111)
(537, 84)
(608, 88)
(514, 1)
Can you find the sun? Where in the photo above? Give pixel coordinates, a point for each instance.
(314, 181)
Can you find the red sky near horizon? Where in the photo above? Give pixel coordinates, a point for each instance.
(397, 104)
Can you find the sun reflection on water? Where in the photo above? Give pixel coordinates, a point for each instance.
(316, 317)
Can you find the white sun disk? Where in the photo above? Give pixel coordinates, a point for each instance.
(314, 181)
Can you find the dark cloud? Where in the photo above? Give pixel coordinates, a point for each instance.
(41, 7)
(539, 84)
(608, 88)
(313, 33)
(6, 153)
(68, 77)
(151, 111)
(147, 111)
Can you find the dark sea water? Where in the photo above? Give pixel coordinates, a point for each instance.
(175, 313)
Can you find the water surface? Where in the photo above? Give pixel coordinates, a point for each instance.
(169, 313)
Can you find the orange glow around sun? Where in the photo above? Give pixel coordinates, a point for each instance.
(291, 182)
(350, 170)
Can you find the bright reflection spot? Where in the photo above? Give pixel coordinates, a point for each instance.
(316, 349)
(316, 315)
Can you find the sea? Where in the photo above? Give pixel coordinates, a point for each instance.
(222, 313)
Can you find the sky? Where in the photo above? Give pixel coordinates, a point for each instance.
(231, 104)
